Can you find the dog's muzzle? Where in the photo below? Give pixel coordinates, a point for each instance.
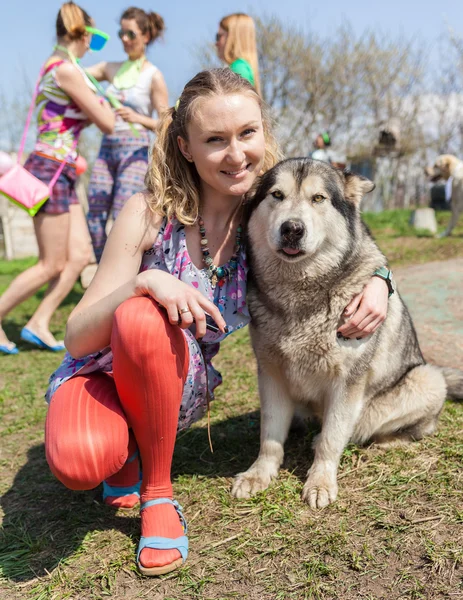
(291, 234)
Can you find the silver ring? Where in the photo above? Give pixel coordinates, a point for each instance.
(182, 311)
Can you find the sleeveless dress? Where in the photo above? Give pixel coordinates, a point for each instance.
(59, 123)
(169, 253)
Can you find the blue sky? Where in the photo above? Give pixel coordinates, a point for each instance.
(28, 27)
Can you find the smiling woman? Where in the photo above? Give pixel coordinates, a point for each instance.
(146, 371)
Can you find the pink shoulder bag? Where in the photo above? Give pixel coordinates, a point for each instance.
(21, 187)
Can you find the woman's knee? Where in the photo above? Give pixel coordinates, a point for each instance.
(79, 260)
(53, 268)
(139, 316)
(86, 432)
(141, 328)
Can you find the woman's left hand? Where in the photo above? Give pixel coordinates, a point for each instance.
(366, 311)
(127, 114)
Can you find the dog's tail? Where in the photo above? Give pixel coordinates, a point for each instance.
(454, 380)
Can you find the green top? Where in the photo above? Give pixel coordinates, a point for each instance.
(243, 68)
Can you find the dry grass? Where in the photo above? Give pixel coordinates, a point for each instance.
(394, 533)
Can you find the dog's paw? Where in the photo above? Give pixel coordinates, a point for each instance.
(250, 482)
(320, 490)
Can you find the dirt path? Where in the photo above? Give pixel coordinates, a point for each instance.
(434, 295)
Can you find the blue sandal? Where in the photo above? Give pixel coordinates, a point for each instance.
(162, 543)
(118, 492)
(9, 350)
(31, 338)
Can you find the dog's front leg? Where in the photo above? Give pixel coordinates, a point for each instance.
(342, 410)
(277, 410)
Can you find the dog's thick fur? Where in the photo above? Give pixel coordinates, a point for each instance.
(446, 166)
(310, 254)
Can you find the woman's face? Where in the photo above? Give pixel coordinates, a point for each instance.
(133, 40)
(220, 41)
(226, 143)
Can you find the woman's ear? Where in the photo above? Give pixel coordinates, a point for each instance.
(184, 149)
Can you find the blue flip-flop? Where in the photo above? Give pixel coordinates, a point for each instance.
(163, 543)
(7, 350)
(28, 336)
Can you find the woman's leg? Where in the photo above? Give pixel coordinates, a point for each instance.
(86, 431)
(150, 366)
(100, 197)
(52, 237)
(78, 256)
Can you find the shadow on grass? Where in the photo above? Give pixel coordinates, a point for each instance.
(45, 523)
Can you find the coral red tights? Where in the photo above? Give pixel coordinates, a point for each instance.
(87, 427)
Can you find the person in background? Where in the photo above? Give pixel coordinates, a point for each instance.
(120, 168)
(66, 104)
(322, 144)
(235, 41)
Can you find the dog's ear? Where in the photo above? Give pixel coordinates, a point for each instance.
(356, 186)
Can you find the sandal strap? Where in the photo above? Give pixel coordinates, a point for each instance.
(162, 543)
(174, 503)
(110, 490)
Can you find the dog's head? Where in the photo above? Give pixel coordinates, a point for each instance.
(301, 205)
(442, 168)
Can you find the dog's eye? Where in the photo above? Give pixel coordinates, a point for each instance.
(318, 198)
(277, 195)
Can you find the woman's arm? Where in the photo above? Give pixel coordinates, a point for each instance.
(159, 100)
(118, 279)
(71, 80)
(99, 71)
(366, 311)
(89, 325)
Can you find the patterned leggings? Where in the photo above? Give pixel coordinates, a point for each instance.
(118, 173)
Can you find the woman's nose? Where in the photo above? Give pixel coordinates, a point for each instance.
(236, 152)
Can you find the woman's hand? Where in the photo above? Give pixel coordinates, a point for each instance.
(175, 295)
(366, 311)
(128, 114)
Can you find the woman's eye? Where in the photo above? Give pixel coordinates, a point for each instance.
(318, 198)
(214, 139)
(277, 195)
(248, 132)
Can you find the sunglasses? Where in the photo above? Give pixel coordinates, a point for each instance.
(128, 33)
(98, 39)
(218, 36)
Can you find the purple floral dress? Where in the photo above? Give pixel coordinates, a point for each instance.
(169, 253)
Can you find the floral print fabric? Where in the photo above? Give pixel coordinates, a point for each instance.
(170, 254)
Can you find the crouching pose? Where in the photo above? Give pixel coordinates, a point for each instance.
(140, 337)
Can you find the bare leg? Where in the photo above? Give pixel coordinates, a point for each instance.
(78, 256)
(277, 411)
(52, 237)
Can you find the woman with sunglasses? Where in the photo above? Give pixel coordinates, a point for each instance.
(236, 45)
(66, 104)
(139, 86)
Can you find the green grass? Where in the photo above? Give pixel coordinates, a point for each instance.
(395, 532)
(404, 245)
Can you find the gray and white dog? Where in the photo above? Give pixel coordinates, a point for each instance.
(310, 253)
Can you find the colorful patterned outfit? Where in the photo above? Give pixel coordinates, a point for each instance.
(59, 123)
(170, 254)
(119, 171)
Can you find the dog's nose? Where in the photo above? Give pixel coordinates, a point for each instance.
(293, 229)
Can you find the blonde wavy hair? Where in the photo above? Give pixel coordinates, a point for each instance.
(172, 182)
(241, 41)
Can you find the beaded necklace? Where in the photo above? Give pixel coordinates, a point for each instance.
(217, 275)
